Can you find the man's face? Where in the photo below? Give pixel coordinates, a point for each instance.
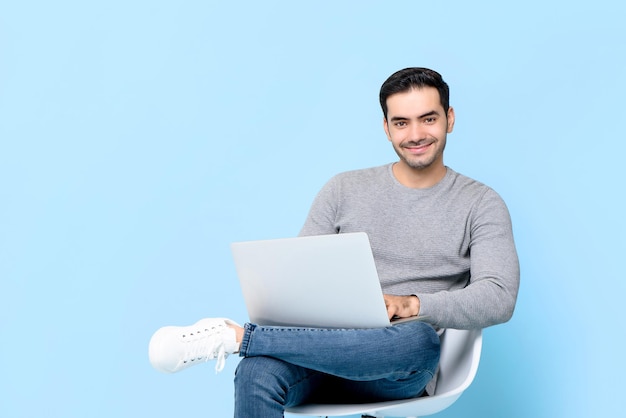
(417, 127)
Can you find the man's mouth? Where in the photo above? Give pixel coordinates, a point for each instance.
(417, 148)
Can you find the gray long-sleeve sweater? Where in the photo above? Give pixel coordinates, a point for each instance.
(451, 244)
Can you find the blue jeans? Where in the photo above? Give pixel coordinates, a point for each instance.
(283, 367)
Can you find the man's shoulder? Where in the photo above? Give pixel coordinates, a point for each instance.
(471, 188)
(363, 173)
(463, 181)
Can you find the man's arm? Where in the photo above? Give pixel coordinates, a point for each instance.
(490, 296)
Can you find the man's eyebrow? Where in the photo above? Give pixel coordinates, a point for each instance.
(427, 114)
(424, 115)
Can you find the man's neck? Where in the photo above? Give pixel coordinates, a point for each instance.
(418, 178)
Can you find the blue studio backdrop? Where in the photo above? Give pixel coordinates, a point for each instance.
(139, 138)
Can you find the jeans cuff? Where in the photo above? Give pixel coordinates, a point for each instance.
(245, 341)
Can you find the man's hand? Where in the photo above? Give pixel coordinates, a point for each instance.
(402, 306)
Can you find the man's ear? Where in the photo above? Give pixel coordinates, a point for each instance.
(386, 127)
(450, 119)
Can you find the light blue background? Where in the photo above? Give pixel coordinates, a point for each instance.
(140, 138)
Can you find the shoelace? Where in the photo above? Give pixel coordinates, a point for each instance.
(205, 345)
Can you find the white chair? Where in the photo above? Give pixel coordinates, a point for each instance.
(460, 355)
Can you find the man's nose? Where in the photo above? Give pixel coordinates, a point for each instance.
(417, 132)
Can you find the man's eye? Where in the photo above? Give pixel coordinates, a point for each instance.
(400, 124)
(430, 120)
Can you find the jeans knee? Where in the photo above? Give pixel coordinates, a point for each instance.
(254, 370)
(260, 377)
(271, 384)
(427, 345)
(259, 388)
(435, 348)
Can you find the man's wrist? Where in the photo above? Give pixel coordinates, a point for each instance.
(416, 304)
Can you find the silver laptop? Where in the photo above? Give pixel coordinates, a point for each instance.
(325, 281)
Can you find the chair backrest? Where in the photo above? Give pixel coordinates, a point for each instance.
(460, 356)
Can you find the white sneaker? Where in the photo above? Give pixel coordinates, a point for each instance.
(175, 348)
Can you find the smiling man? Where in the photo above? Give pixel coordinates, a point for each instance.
(417, 125)
(444, 250)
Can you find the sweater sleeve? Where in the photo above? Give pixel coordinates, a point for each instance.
(322, 216)
(490, 295)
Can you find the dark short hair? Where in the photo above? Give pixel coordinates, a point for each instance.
(414, 78)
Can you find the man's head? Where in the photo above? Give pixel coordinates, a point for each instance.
(417, 120)
(414, 78)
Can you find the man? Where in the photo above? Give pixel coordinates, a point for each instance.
(443, 247)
